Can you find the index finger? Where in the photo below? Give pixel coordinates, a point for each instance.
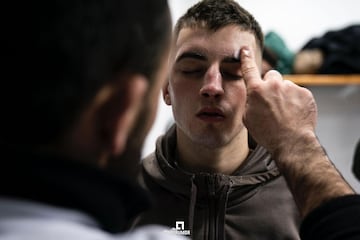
(249, 69)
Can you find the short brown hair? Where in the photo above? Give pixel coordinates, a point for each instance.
(215, 14)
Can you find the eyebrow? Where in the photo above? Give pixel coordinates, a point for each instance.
(199, 56)
(192, 55)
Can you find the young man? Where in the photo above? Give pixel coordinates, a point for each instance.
(81, 79)
(205, 177)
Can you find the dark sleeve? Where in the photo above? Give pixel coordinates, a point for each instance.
(338, 219)
(356, 163)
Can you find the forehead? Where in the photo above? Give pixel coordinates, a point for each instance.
(226, 41)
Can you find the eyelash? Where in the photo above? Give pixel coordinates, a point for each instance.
(225, 75)
(192, 71)
(231, 76)
(196, 72)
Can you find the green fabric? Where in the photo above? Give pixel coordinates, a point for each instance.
(285, 57)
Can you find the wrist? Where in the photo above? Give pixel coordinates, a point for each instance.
(298, 144)
(311, 176)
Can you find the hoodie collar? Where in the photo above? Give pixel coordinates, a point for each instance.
(257, 168)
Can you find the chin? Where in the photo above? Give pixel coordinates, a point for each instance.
(210, 141)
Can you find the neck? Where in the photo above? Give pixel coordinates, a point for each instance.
(225, 159)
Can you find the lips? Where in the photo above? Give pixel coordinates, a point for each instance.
(209, 114)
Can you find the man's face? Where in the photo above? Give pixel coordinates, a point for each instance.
(206, 89)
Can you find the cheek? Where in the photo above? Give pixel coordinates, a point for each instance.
(182, 101)
(237, 98)
(181, 92)
(237, 92)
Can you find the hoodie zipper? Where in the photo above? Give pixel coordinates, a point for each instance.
(212, 206)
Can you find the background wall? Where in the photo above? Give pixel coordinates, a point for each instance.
(297, 22)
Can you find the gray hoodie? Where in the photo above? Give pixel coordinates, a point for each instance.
(253, 203)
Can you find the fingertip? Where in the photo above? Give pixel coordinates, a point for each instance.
(245, 51)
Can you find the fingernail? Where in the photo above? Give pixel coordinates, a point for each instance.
(246, 52)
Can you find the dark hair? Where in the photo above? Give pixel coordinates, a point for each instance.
(215, 14)
(59, 53)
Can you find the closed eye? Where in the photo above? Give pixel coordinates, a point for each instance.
(190, 68)
(231, 71)
(227, 75)
(192, 71)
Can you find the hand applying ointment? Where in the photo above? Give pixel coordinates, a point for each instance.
(281, 116)
(277, 110)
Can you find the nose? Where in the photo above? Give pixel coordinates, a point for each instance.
(212, 84)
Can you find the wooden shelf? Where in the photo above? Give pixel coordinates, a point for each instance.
(320, 79)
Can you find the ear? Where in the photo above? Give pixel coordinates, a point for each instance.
(120, 109)
(166, 94)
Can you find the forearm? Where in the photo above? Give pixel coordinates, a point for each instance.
(311, 176)
(281, 116)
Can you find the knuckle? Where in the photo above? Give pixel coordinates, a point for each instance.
(255, 88)
(249, 69)
(273, 75)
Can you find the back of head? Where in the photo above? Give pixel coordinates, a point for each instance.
(58, 53)
(215, 14)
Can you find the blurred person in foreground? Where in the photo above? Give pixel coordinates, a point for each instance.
(80, 94)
